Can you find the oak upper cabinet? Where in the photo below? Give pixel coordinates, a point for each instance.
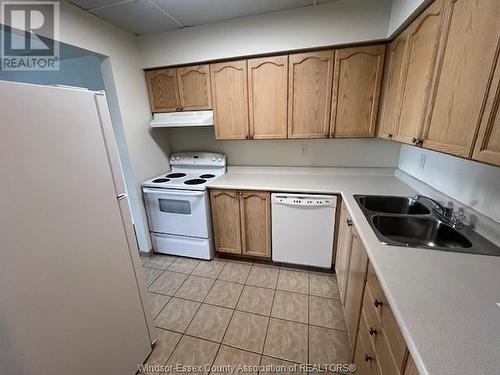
(487, 147)
(466, 57)
(255, 211)
(423, 41)
(392, 86)
(343, 254)
(309, 94)
(242, 222)
(356, 90)
(194, 87)
(268, 97)
(230, 99)
(163, 90)
(226, 220)
(356, 279)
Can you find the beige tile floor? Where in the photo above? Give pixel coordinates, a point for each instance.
(232, 312)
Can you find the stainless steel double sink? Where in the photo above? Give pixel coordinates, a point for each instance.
(404, 221)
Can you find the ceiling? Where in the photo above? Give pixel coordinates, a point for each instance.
(154, 16)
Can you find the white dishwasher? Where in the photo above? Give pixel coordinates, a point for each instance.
(303, 227)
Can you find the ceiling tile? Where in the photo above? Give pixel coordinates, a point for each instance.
(89, 4)
(197, 12)
(138, 17)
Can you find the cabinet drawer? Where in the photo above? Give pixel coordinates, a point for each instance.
(365, 357)
(386, 318)
(378, 338)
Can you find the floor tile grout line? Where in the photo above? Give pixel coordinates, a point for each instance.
(270, 313)
(228, 345)
(230, 319)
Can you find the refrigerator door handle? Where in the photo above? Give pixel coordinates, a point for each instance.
(121, 196)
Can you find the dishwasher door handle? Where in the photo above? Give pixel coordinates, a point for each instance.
(304, 202)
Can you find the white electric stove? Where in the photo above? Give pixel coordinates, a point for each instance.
(178, 207)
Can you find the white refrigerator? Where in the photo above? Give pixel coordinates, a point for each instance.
(72, 298)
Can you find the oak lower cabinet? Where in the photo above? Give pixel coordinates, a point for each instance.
(357, 77)
(268, 97)
(395, 68)
(226, 220)
(309, 94)
(343, 252)
(466, 59)
(242, 222)
(423, 40)
(230, 99)
(380, 344)
(356, 279)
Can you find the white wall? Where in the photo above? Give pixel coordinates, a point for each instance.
(123, 78)
(474, 184)
(320, 152)
(147, 154)
(401, 10)
(337, 22)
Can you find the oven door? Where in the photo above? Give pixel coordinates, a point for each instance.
(180, 212)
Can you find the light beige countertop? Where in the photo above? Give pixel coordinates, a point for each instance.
(445, 303)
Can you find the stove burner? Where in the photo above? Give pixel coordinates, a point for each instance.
(176, 175)
(159, 180)
(208, 175)
(195, 181)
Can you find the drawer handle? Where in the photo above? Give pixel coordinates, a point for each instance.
(368, 358)
(377, 303)
(349, 222)
(372, 332)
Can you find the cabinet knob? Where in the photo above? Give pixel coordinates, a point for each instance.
(377, 303)
(417, 141)
(389, 135)
(372, 331)
(349, 222)
(368, 358)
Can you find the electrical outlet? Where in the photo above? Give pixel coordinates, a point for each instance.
(303, 150)
(423, 157)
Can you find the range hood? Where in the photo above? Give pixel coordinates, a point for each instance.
(180, 119)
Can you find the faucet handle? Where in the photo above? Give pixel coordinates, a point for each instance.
(457, 219)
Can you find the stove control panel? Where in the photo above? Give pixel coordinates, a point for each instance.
(208, 159)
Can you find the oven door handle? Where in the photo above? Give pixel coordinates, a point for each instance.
(174, 192)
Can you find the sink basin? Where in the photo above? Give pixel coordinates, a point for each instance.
(393, 205)
(419, 231)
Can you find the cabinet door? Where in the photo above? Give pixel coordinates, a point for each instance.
(466, 56)
(488, 142)
(268, 97)
(310, 93)
(194, 87)
(343, 251)
(410, 368)
(356, 90)
(355, 285)
(230, 99)
(255, 209)
(422, 49)
(392, 86)
(226, 220)
(163, 91)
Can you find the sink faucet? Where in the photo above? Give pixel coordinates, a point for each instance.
(446, 212)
